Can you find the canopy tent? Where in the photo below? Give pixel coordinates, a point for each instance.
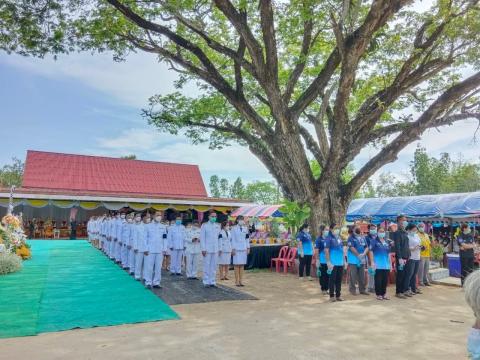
(458, 206)
(261, 211)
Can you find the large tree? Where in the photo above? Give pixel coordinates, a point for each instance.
(292, 80)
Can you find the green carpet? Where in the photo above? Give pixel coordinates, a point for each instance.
(70, 284)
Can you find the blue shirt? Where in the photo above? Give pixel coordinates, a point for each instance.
(335, 245)
(369, 238)
(320, 245)
(381, 254)
(306, 240)
(359, 243)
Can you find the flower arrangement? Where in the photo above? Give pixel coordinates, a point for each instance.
(13, 237)
(9, 263)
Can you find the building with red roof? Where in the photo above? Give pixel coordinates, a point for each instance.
(57, 185)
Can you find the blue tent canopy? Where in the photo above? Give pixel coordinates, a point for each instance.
(426, 206)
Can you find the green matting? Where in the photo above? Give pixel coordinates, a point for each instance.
(70, 284)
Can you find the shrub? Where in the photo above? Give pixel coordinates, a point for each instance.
(9, 263)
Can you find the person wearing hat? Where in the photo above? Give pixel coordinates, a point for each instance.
(156, 246)
(176, 243)
(139, 247)
(209, 245)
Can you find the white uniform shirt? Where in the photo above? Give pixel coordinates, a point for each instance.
(176, 237)
(125, 238)
(225, 243)
(156, 241)
(209, 237)
(111, 229)
(138, 237)
(239, 238)
(118, 228)
(192, 247)
(413, 241)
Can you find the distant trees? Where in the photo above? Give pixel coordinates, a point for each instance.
(12, 174)
(129, 157)
(260, 192)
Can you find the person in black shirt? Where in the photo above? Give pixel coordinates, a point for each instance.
(402, 255)
(466, 245)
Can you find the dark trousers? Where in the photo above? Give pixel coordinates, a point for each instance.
(381, 281)
(466, 267)
(323, 279)
(335, 281)
(305, 265)
(413, 276)
(409, 266)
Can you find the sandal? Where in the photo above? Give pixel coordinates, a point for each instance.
(379, 297)
(386, 297)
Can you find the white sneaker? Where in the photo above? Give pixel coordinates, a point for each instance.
(310, 278)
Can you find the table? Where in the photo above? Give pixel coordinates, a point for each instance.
(261, 255)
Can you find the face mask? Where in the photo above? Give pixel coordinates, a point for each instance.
(306, 230)
(213, 219)
(467, 231)
(404, 223)
(325, 233)
(147, 220)
(129, 220)
(421, 229)
(123, 216)
(381, 235)
(241, 222)
(473, 343)
(373, 232)
(158, 218)
(178, 222)
(336, 232)
(138, 218)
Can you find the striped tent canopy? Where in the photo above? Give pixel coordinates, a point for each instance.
(261, 211)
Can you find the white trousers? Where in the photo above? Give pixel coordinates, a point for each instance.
(111, 248)
(124, 256)
(138, 265)
(176, 261)
(152, 271)
(131, 260)
(118, 251)
(192, 262)
(210, 268)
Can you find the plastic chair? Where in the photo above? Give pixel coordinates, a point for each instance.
(281, 256)
(289, 261)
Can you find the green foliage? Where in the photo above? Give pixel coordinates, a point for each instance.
(214, 186)
(12, 174)
(129, 157)
(258, 192)
(437, 252)
(237, 189)
(347, 174)
(294, 215)
(9, 263)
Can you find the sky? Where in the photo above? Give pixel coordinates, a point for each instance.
(86, 104)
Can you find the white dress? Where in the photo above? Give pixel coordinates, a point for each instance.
(225, 248)
(240, 243)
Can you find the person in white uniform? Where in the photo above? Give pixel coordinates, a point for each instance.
(139, 244)
(131, 244)
(119, 219)
(224, 251)
(192, 250)
(209, 246)
(112, 230)
(89, 229)
(125, 240)
(156, 245)
(103, 236)
(96, 228)
(176, 243)
(240, 248)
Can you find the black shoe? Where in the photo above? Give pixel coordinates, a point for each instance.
(214, 286)
(157, 286)
(148, 286)
(172, 274)
(179, 274)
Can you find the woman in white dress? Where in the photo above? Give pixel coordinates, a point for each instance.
(224, 250)
(240, 248)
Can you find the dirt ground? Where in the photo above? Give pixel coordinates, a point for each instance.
(291, 320)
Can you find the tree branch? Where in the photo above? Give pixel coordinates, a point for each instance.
(268, 32)
(312, 145)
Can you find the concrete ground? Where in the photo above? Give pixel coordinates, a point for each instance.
(292, 320)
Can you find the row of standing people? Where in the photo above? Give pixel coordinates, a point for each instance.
(409, 242)
(141, 246)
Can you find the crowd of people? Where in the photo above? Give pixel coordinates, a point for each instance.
(407, 247)
(144, 247)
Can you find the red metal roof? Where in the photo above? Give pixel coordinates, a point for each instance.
(55, 171)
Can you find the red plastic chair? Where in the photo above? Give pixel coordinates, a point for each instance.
(289, 261)
(281, 256)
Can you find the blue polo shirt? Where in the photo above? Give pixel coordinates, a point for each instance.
(320, 245)
(369, 238)
(335, 245)
(359, 243)
(381, 254)
(306, 240)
